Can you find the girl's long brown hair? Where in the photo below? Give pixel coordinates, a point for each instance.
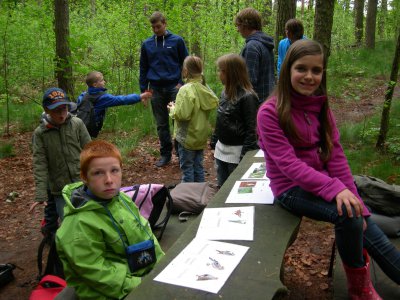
(236, 76)
(283, 92)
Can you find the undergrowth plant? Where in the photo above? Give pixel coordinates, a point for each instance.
(359, 141)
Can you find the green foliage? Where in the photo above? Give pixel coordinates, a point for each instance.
(6, 149)
(359, 140)
(108, 39)
(354, 69)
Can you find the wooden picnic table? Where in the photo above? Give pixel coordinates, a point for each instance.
(258, 276)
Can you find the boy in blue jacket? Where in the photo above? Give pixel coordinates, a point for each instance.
(161, 60)
(101, 100)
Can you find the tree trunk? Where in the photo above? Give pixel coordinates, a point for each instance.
(346, 5)
(93, 7)
(380, 144)
(310, 4)
(382, 19)
(358, 21)
(286, 10)
(266, 11)
(370, 26)
(323, 21)
(63, 52)
(5, 70)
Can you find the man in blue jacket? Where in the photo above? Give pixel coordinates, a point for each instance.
(257, 52)
(161, 60)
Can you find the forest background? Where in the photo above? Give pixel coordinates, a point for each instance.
(106, 35)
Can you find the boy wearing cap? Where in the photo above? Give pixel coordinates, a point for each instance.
(101, 100)
(57, 144)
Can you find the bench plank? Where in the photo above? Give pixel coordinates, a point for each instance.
(258, 276)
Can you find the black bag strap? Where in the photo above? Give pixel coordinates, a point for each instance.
(53, 264)
(163, 224)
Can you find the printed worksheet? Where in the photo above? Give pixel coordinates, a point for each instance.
(227, 223)
(257, 171)
(256, 191)
(203, 265)
(259, 153)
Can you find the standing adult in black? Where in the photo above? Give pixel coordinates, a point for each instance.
(161, 60)
(257, 52)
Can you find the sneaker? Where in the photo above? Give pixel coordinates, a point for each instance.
(164, 160)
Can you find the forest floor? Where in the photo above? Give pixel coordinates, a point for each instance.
(306, 261)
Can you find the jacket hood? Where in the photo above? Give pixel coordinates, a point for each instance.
(260, 36)
(208, 100)
(162, 39)
(45, 121)
(94, 90)
(77, 199)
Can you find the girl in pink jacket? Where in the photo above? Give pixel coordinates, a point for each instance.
(309, 172)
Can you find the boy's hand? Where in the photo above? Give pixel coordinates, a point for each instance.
(144, 97)
(34, 204)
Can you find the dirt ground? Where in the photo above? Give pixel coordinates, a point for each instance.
(306, 261)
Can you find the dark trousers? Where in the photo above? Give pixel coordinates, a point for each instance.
(349, 234)
(159, 101)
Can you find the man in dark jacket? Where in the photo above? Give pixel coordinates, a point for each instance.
(161, 60)
(257, 52)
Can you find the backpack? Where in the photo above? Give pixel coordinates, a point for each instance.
(48, 288)
(53, 264)
(85, 112)
(381, 197)
(191, 197)
(6, 274)
(151, 200)
(51, 279)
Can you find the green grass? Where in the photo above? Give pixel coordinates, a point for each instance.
(6, 149)
(23, 116)
(353, 70)
(359, 140)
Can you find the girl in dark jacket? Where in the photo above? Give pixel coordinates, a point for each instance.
(235, 129)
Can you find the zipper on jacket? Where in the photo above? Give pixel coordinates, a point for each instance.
(307, 118)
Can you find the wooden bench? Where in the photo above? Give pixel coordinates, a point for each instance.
(385, 287)
(258, 276)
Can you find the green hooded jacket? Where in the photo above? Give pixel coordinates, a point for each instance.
(193, 105)
(91, 249)
(56, 152)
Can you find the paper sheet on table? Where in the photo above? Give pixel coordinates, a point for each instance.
(203, 265)
(259, 153)
(256, 191)
(227, 223)
(257, 171)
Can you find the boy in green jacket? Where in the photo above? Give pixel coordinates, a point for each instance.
(100, 223)
(57, 144)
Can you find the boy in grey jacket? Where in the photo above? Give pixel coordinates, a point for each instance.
(57, 144)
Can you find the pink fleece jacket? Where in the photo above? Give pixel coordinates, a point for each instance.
(292, 163)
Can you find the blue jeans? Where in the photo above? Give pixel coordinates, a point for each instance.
(224, 169)
(159, 101)
(350, 238)
(191, 164)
